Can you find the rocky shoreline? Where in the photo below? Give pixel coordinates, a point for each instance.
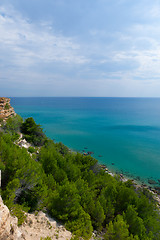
(137, 183)
(151, 185)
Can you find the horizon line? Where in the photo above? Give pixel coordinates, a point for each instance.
(78, 97)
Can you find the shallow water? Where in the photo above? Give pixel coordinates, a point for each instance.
(124, 131)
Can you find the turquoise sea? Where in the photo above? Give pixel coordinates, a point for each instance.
(123, 133)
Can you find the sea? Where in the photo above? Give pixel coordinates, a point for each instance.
(122, 133)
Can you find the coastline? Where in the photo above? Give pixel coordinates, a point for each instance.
(124, 177)
(98, 181)
(129, 143)
(148, 183)
(137, 183)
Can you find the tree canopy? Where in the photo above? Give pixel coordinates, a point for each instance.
(72, 188)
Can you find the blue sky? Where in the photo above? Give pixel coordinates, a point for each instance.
(101, 48)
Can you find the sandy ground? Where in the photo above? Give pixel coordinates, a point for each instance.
(42, 226)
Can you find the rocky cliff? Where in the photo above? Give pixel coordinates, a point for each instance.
(8, 224)
(35, 227)
(5, 109)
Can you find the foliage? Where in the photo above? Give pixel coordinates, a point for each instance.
(31, 149)
(47, 238)
(16, 210)
(118, 230)
(61, 148)
(33, 132)
(73, 189)
(13, 126)
(6, 106)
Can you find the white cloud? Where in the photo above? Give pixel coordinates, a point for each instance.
(33, 52)
(28, 44)
(155, 11)
(144, 49)
(133, 53)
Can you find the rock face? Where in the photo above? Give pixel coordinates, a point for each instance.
(5, 108)
(35, 227)
(42, 226)
(8, 224)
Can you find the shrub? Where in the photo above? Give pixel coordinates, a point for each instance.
(13, 126)
(6, 106)
(16, 210)
(31, 149)
(33, 132)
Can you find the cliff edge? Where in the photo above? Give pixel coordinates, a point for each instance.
(6, 110)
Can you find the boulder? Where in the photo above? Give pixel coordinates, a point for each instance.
(8, 224)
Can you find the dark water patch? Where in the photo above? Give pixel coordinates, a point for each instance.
(152, 182)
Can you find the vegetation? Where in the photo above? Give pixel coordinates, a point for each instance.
(1, 120)
(47, 238)
(33, 133)
(31, 149)
(6, 106)
(13, 126)
(72, 187)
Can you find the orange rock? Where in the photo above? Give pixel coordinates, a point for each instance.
(6, 110)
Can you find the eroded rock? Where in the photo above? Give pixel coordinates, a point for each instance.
(6, 110)
(8, 224)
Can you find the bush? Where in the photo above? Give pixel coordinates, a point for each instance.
(33, 132)
(17, 211)
(13, 126)
(6, 106)
(47, 238)
(31, 149)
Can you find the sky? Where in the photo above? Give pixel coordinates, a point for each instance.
(80, 48)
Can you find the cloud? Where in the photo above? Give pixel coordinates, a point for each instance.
(36, 54)
(143, 48)
(24, 43)
(133, 53)
(151, 10)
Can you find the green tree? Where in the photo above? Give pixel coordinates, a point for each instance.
(81, 226)
(13, 126)
(66, 203)
(98, 216)
(118, 230)
(136, 225)
(33, 132)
